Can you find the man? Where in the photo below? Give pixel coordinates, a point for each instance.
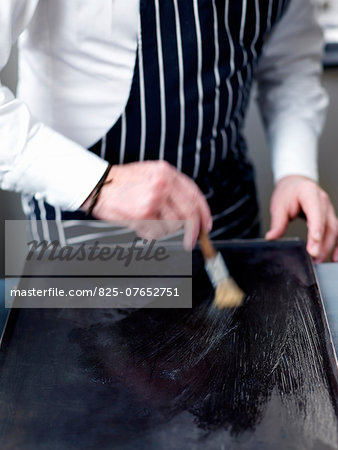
(144, 82)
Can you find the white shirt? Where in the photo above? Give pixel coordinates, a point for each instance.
(87, 51)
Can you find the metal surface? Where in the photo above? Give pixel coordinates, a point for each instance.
(327, 274)
(262, 376)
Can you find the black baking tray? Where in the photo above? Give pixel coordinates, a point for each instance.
(263, 376)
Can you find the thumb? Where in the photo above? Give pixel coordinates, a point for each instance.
(279, 222)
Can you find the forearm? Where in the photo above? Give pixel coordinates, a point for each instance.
(290, 95)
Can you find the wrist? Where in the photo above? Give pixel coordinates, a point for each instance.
(90, 202)
(294, 178)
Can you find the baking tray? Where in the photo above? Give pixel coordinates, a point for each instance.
(260, 377)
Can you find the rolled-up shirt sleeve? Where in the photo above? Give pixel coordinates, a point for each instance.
(34, 159)
(291, 99)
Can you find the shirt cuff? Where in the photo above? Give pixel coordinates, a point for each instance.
(55, 169)
(294, 151)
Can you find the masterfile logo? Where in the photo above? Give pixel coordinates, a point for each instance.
(113, 269)
(55, 251)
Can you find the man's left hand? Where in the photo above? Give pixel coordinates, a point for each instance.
(295, 194)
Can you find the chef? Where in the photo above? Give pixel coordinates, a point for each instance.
(134, 110)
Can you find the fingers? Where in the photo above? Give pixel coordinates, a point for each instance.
(322, 224)
(163, 219)
(169, 220)
(315, 208)
(191, 232)
(335, 255)
(279, 220)
(335, 252)
(182, 200)
(294, 194)
(148, 229)
(330, 236)
(205, 213)
(194, 213)
(190, 199)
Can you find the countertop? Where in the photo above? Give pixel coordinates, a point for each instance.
(327, 274)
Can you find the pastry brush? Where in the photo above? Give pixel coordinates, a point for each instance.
(227, 293)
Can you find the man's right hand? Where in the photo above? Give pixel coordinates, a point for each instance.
(153, 191)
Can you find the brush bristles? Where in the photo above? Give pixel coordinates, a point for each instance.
(228, 294)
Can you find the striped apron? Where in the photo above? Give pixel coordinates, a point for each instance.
(194, 70)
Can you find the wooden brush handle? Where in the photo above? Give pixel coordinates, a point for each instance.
(206, 246)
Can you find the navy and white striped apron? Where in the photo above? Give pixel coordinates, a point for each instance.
(194, 70)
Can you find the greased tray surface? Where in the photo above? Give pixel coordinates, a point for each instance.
(262, 376)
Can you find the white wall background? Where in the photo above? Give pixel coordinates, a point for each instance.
(10, 206)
